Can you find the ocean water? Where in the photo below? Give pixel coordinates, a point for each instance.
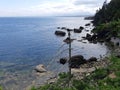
(27, 42)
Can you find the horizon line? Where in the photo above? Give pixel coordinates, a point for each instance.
(46, 16)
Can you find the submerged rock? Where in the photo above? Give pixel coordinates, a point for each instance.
(63, 28)
(58, 28)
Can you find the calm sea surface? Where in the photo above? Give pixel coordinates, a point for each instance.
(27, 42)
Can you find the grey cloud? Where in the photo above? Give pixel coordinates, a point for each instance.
(88, 2)
(75, 14)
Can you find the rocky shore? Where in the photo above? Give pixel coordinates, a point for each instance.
(78, 73)
(85, 68)
(88, 68)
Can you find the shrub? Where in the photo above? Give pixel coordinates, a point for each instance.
(79, 85)
(64, 75)
(1, 88)
(99, 74)
(112, 28)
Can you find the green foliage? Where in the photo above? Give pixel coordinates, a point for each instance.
(64, 75)
(115, 64)
(1, 88)
(33, 88)
(113, 82)
(79, 85)
(98, 80)
(45, 87)
(112, 27)
(99, 74)
(108, 13)
(107, 19)
(52, 87)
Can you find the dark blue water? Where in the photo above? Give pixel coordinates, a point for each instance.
(27, 42)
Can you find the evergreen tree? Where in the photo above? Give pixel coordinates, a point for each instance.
(108, 12)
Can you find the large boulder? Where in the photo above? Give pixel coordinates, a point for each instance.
(81, 28)
(89, 37)
(60, 33)
(76, 61)
(68, 40)
(63, 60)
(77, 30)
(88, 24)
(40, 68)
(92, 59)
(94, 37)
(117, 44)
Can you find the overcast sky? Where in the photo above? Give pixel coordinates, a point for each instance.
(49, 7)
